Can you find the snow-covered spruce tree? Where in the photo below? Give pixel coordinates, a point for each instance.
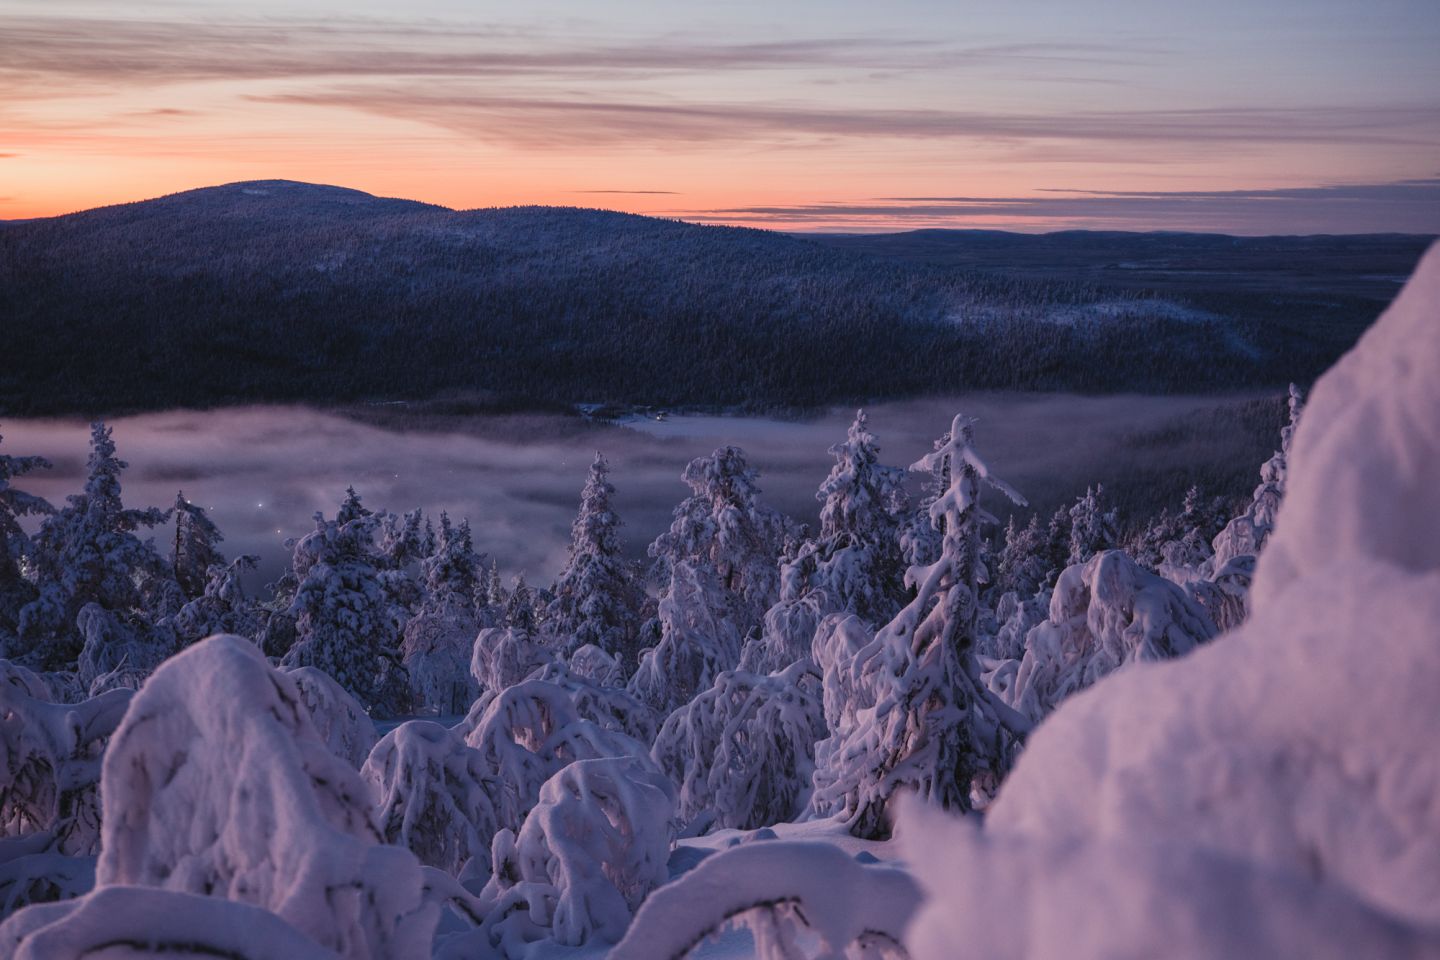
(342, 619)
(15, 548)
(1104, 613)
(351, 508)
(595, 845)
(434, 797)
(404, 539)
(223, 607)
(608, 707)
(119, 651)
(520, 606)
(1092, 527)
(49, 762)
(854, 565)
(440, 637)
(501, 657)
(597, 600)
(743, 752)
(340, 720)
(222, 743)
(934, 727)
(88, 553)
(193, 551)
(528, 732)
(724, 531)
(1021, 567)
(698, 640)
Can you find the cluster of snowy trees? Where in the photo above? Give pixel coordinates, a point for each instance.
(558, 739)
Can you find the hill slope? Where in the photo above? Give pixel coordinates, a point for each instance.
(274, 290)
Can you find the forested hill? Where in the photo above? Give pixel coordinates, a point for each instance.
(282, 291)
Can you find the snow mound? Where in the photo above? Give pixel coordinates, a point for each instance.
(1124, 898)
(217, 783)
(1363, 466)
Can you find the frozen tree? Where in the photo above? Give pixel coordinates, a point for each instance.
(528, 732)
(339, 719)
(595, 664)
(404, 539)
(15, 547)
(855, 563)
(595, 845)
(50, 761)
(434, 796)
(743, 752)
(934, 727)
(608, 707)
(724, 530)
(88, 553)
(119, 650)
(33, 870)
(1092, 527)
(342, 623)
(1021, 567)
(351, 508)
(697, 641)
(1104, 613)
(224, 607)
(501, 658)
(194, 550)
(597, 600)
(799, 900)
(439, 639)
(859, 566)
(221, 743)
(520, 606)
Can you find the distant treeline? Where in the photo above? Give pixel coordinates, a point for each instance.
(276, 291)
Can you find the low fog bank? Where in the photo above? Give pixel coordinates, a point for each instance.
(264, 471)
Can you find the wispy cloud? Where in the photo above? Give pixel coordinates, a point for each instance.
(645, 193)
(566, 121)
(1402, 206)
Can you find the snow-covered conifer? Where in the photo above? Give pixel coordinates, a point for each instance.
(224, 607)
(193, 551)
(934, 727)
(520, 606)
(597, 600)
(502, 657)
(722, 528)
(49, 761)
(339, 719)
(342, 621)
(1245, 535)
(15, 547)
(221, 743)
(743, 752)
(1092, 527)
(87, 553)
(1104, 614)
(697, 641)
(595, 845)
(434, 797)
(439, 639)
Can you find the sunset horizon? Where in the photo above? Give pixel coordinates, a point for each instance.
(812, 117)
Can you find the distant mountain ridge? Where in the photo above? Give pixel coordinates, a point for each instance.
(277, 291)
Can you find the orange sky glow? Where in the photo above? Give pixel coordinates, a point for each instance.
(1298, 117)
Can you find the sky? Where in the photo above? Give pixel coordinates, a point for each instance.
(1287, 116)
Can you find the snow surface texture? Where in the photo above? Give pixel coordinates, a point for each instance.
(788, 893)
(338, 717)
(217, 784)
(1277, 791)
